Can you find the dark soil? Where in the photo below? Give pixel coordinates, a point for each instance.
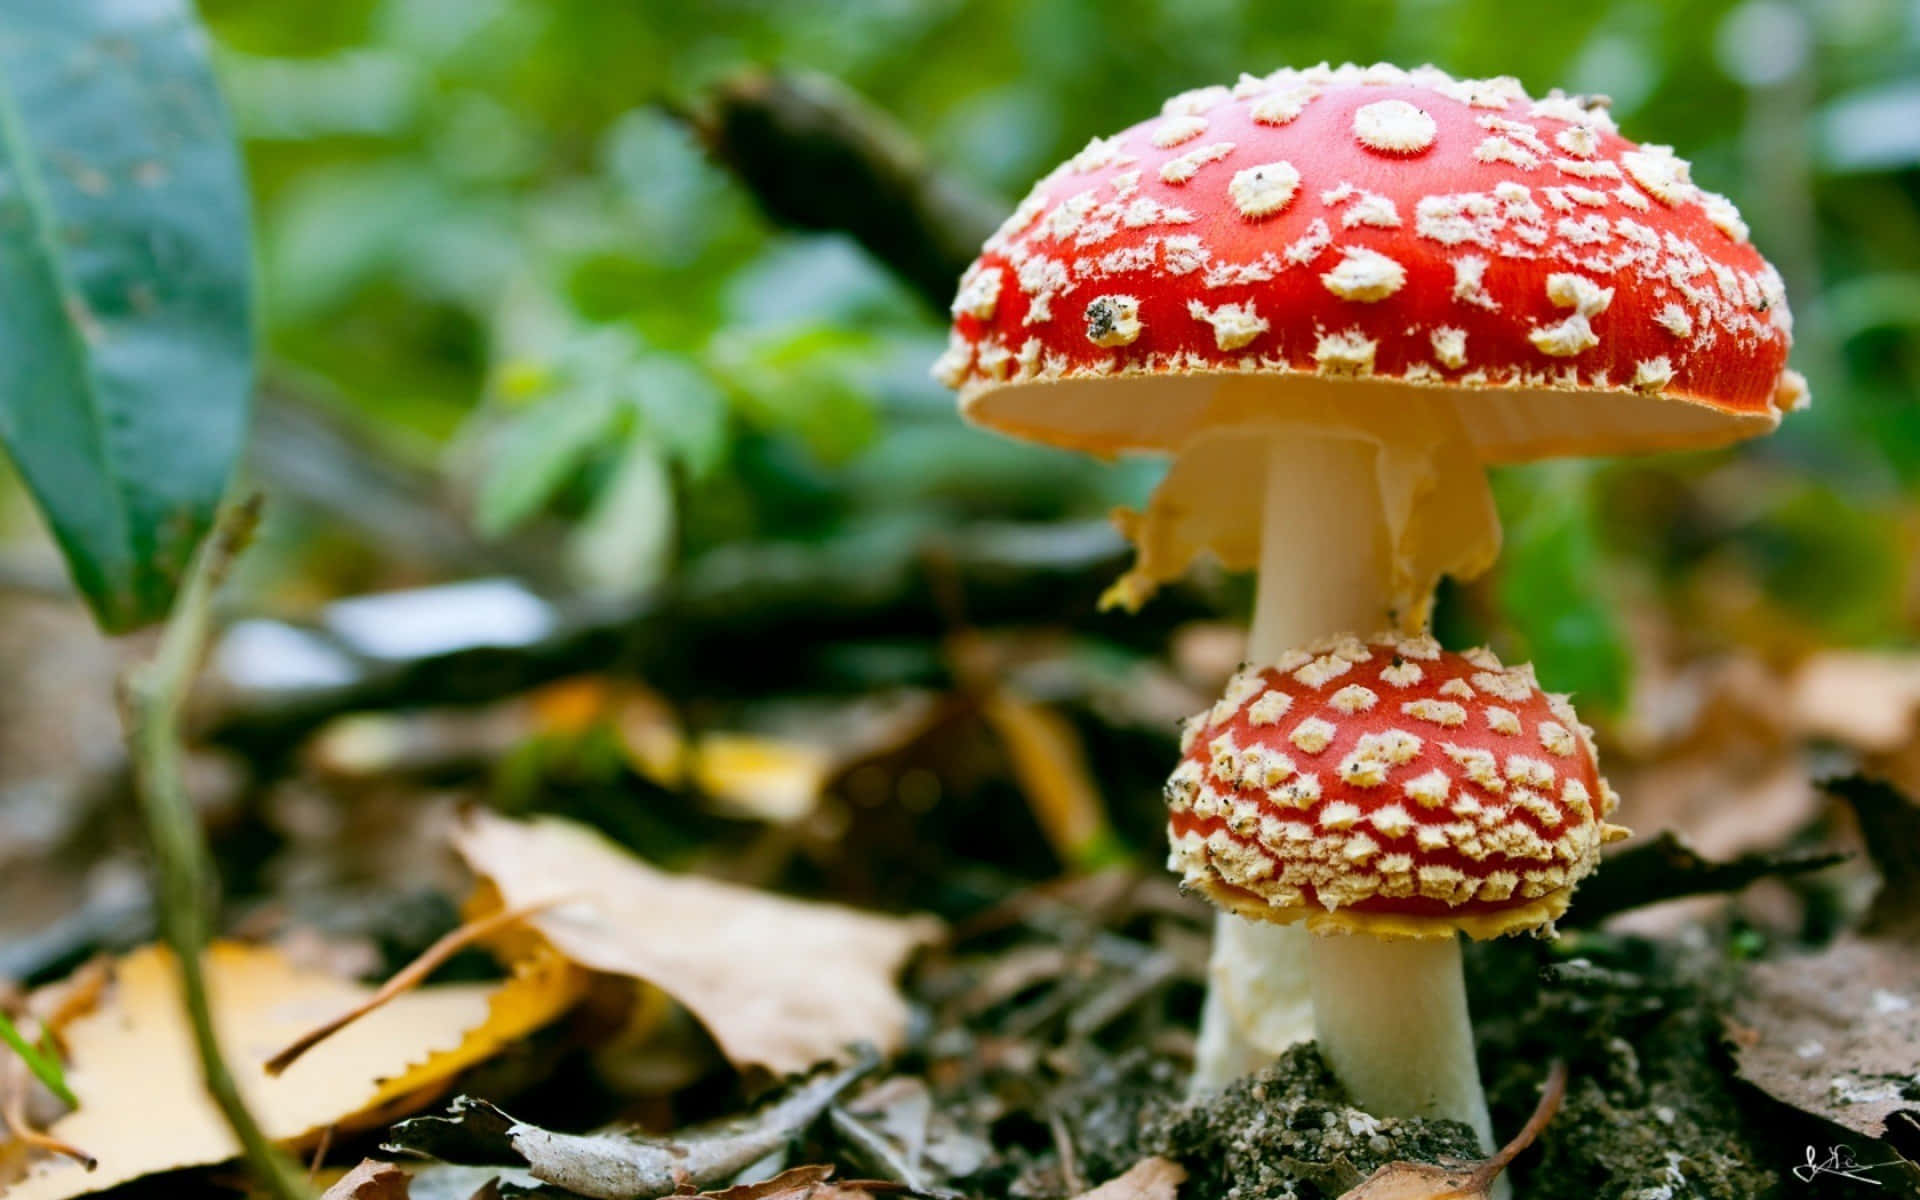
(1653, 1109)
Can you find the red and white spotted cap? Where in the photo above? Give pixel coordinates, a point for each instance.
(1570, 291)
(1389, 787)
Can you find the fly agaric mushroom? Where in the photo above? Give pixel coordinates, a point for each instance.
(1385, 794)
(1336, 294)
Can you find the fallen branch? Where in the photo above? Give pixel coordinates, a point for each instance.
(751, 619)
(817, 156)
(1666, 868)
(13, 1114)
(151, 695)
(1890, 827)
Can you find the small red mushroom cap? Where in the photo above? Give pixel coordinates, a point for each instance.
(1574, 291)
(1390, 787)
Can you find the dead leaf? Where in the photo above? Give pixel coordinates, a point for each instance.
(1469, 1180)
(1050, 765)
(135, 1047)
(1835, 1034)
(1417, 1181)
(371, 1180)
(621, 1162)
(1149, 1179)
(794, 1183)
(779, 983)
(796, 750)
(1862, 700)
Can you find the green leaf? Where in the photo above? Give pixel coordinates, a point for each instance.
(813, 381)
(44, 1065)
(682, 411)
(125, 342)
(624, 546)
(538, 452)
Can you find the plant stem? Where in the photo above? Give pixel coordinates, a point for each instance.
(151, 697)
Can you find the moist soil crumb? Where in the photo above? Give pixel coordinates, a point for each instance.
(1289, 1134)
(1653, 1109)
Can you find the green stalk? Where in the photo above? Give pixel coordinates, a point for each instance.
(151, 697)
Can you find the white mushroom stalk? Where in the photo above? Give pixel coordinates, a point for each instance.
(1365, 504)
(1322, 569)
(1391, 1020)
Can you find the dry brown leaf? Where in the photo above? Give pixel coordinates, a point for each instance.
(132, 1063)
(1464, 1181)
(1149, 1179)
(794, 1183)
(779, 983)
(1862, 700)
(1835, 1034)
(371, 1180)
(1420, 1181)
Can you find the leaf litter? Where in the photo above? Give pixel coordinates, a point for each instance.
(780, 984)
(134, 1047)
(624, 1163)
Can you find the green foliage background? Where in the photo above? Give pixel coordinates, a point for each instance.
(484, 238)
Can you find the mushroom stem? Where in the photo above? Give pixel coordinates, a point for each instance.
(1391, 1020)
(1323, 554)
(1323, 570)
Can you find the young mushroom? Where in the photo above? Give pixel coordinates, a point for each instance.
(1386, 794)
(1336, 295)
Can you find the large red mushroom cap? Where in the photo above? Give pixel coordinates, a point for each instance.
(1389, 787)
(1568, 291)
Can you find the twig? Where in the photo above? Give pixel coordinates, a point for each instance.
(318, 1158)
(729, 623)
(1556, 1090)
(817, 156)
(151, 697)
(13, 1112)
(1666, 868)
(1890, 828)
(1455, 1181)
(409, 977)
(1069, 1158)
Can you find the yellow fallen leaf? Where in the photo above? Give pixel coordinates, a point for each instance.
(1050, 765)
(779, 983)
(132, 1064)
(761, 777)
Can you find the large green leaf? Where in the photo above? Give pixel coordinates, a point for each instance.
(125, 342)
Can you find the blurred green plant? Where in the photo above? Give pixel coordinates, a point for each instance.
(427, 166)
(42, 1060)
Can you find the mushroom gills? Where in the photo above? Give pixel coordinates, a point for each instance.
(1306, 496)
